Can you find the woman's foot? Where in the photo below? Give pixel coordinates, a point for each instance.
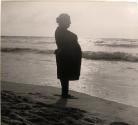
(68, 96)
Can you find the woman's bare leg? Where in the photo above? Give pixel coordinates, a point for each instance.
(65, 87)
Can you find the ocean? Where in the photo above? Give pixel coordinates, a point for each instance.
(109, 65)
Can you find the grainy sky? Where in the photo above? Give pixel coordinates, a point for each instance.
(89, 19)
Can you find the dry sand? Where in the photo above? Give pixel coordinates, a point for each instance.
(24, 104)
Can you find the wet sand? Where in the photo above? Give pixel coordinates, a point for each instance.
(24, 104)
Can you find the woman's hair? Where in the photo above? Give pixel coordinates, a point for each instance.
(63, 18)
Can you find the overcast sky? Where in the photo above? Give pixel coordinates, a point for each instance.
(89, 19)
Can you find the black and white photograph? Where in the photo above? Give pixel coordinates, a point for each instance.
(69, 62)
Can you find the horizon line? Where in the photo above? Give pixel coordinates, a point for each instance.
(54, 37)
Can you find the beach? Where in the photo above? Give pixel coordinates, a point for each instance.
(31, 104)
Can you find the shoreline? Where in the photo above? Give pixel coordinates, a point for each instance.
(107, 111)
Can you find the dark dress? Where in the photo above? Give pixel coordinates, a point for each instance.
(68, 55)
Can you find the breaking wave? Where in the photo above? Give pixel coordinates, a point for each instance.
(100, 55)
(27, 50)
(114, 56)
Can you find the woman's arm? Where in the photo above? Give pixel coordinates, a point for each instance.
(59, 37)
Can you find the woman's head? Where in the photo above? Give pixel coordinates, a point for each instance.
(63, 20)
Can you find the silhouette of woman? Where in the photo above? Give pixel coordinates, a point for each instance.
(68, 54)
